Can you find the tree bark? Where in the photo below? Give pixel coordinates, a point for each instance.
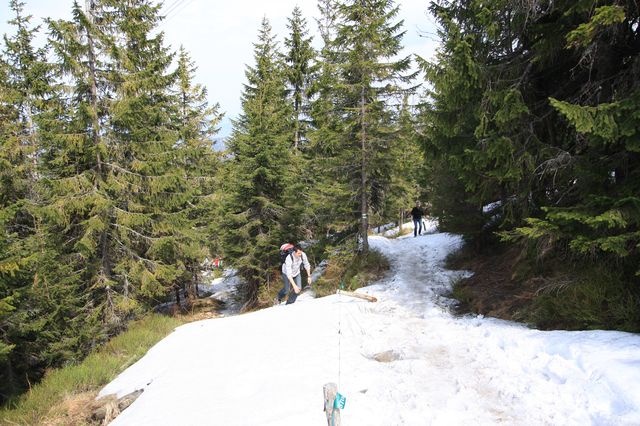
(364, 219)
(358, 295)
(94, 89)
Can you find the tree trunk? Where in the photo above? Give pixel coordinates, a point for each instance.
(358, 295)
(363, 245)
(94, 91)
(296, 136)
(195, 284)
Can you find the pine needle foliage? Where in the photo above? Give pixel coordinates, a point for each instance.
(196, 123)
(24, 314)
(332, 201)
(533, 111)
(107, 194)
(300, 69)
(366, 37)
(258, 170)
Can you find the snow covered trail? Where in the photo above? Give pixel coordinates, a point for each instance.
(404, 360)
(488, 371)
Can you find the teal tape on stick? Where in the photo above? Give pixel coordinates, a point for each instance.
(339, 401)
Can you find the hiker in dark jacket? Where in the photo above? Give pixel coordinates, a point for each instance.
(291, 276)
(416, 214)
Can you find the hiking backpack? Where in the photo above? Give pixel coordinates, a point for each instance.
(285, 250)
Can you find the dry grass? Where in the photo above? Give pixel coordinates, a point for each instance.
(64, 397)
(74, 410)
(351, 271)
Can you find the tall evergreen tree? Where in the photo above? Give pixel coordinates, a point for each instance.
(550, 134)
(366, 41)
(449, 117)
(258, 170)
(75, 154)
(196, 123)
(407, 179)
(78, 153)
(107, 182)
(331, 203)
(590, 170)
(148, 218)
(134, 140)
(532, 106)
(14, 276)
(27, 84)
(300, 69)
(25, 312)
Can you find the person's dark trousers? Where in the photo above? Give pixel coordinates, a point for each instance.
(417, 227)
(286, 288)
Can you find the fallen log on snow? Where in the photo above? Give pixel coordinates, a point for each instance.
(358, 295)
(108, 407)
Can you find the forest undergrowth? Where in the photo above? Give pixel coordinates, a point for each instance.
(555, 295)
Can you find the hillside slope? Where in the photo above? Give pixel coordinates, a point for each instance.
(404, 360)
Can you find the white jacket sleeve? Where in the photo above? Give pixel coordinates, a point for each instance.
(305, 262)
(287, 268)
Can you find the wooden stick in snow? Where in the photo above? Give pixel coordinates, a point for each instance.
(333, 414)
(358, 295)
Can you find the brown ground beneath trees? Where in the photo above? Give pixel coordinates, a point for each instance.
(494, 289)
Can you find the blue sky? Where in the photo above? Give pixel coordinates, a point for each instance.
(219, 35)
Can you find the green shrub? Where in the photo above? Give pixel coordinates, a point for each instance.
(594, 298)
(461, 293)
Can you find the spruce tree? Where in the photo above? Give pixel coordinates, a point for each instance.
(106, 182)
(77, 155)
(550, 134)
(331, 201)
(300, 70)
(14, 277)
(448, 118)
(133, 144)
(367, 39)
(148, 217)
(591, 206)
(196, 123)
(257, 172)
(31, 326)
(530, 107)
(408, 181)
